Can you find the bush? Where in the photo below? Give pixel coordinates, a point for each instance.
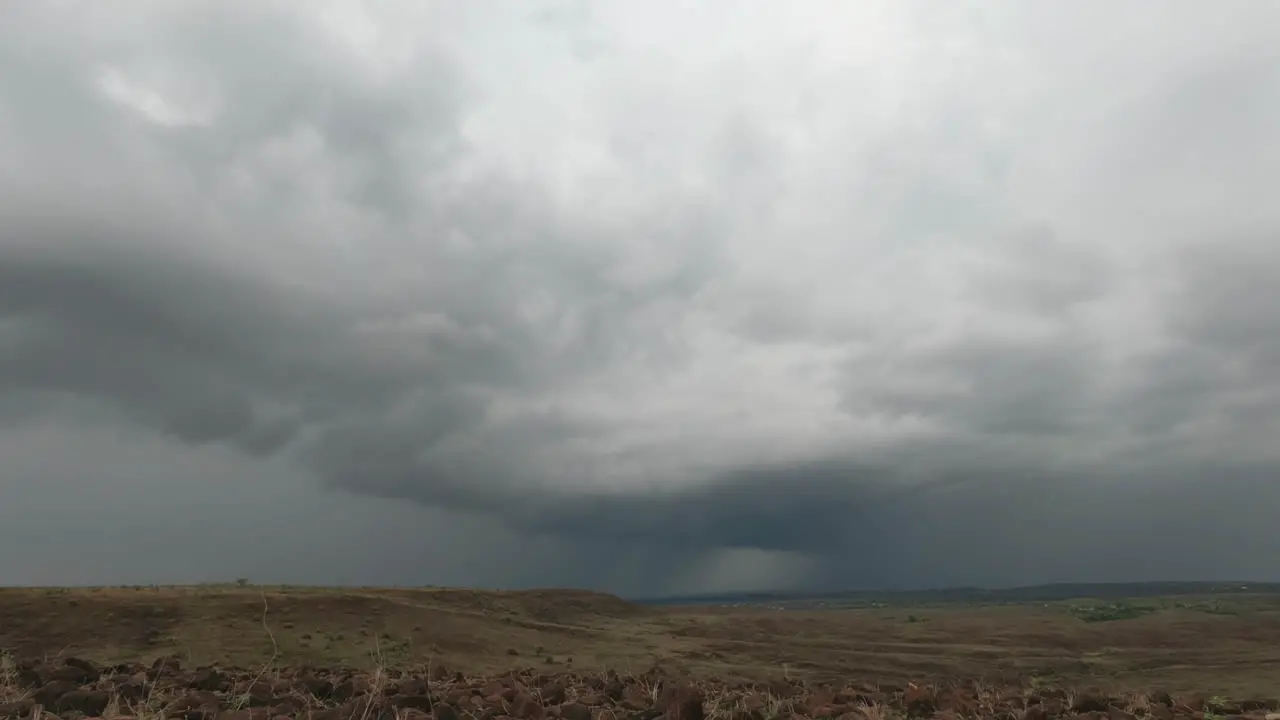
(1111, 612)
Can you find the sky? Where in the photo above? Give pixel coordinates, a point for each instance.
(649, 298)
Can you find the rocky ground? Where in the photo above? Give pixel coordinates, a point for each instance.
(73, 688)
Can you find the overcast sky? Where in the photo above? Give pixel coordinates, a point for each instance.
(649, 297)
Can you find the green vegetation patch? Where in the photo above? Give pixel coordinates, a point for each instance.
(1212, 607)
(1109, 612)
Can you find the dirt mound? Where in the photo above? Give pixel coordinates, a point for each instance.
(571, 605)
(74, 688)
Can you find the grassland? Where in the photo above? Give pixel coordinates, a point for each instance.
(1221, 645)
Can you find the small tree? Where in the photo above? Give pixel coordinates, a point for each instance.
(242, 582)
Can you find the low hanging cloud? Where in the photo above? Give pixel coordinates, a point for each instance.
(826, 296)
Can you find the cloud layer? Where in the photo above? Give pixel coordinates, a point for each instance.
(622, 296)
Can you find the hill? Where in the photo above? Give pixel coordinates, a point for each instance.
(1055, 592)
(1213, 644)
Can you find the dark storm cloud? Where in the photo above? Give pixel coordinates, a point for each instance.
(164, 322)
(637, 328)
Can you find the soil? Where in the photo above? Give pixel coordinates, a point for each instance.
(204, 653)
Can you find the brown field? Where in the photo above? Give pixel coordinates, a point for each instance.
(530, 638)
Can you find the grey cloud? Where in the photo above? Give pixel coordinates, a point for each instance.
(381, 393)
(990, 386)
(712, 344)
(1042, 274)
(1222, 297)
(1212, 384)
(170, 346)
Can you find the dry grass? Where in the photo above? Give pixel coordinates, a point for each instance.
(483, 633)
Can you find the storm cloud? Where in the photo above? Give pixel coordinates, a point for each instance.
(630, 297)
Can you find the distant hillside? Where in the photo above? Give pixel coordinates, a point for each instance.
(972, 595)
(477, 630)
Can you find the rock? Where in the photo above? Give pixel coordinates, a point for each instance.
(193, 700)
(318, 688)
(244, 714)
(874, 697)
(553, 693)
(68, 688)
(343, 691)
(85, 702)
(73, 673)
(209, 679)
(613, 689)
(525, 707)
(1089, 703)
(459, 696)
(260, 694)
(27, 677)
(961, 702)
(755, 701)
(683, 702)
(370, 705)
(445, 712)
(1192, 702)
(49, 693)
(412, 686)
(17, 708)
(417, 702)
(167, 666)
(288, 708)
(847, 696)
(781, 688)
(919, 701)
(131, 690)
(84, 665)
(575, 711)
(819, 704)
(1115, 713)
